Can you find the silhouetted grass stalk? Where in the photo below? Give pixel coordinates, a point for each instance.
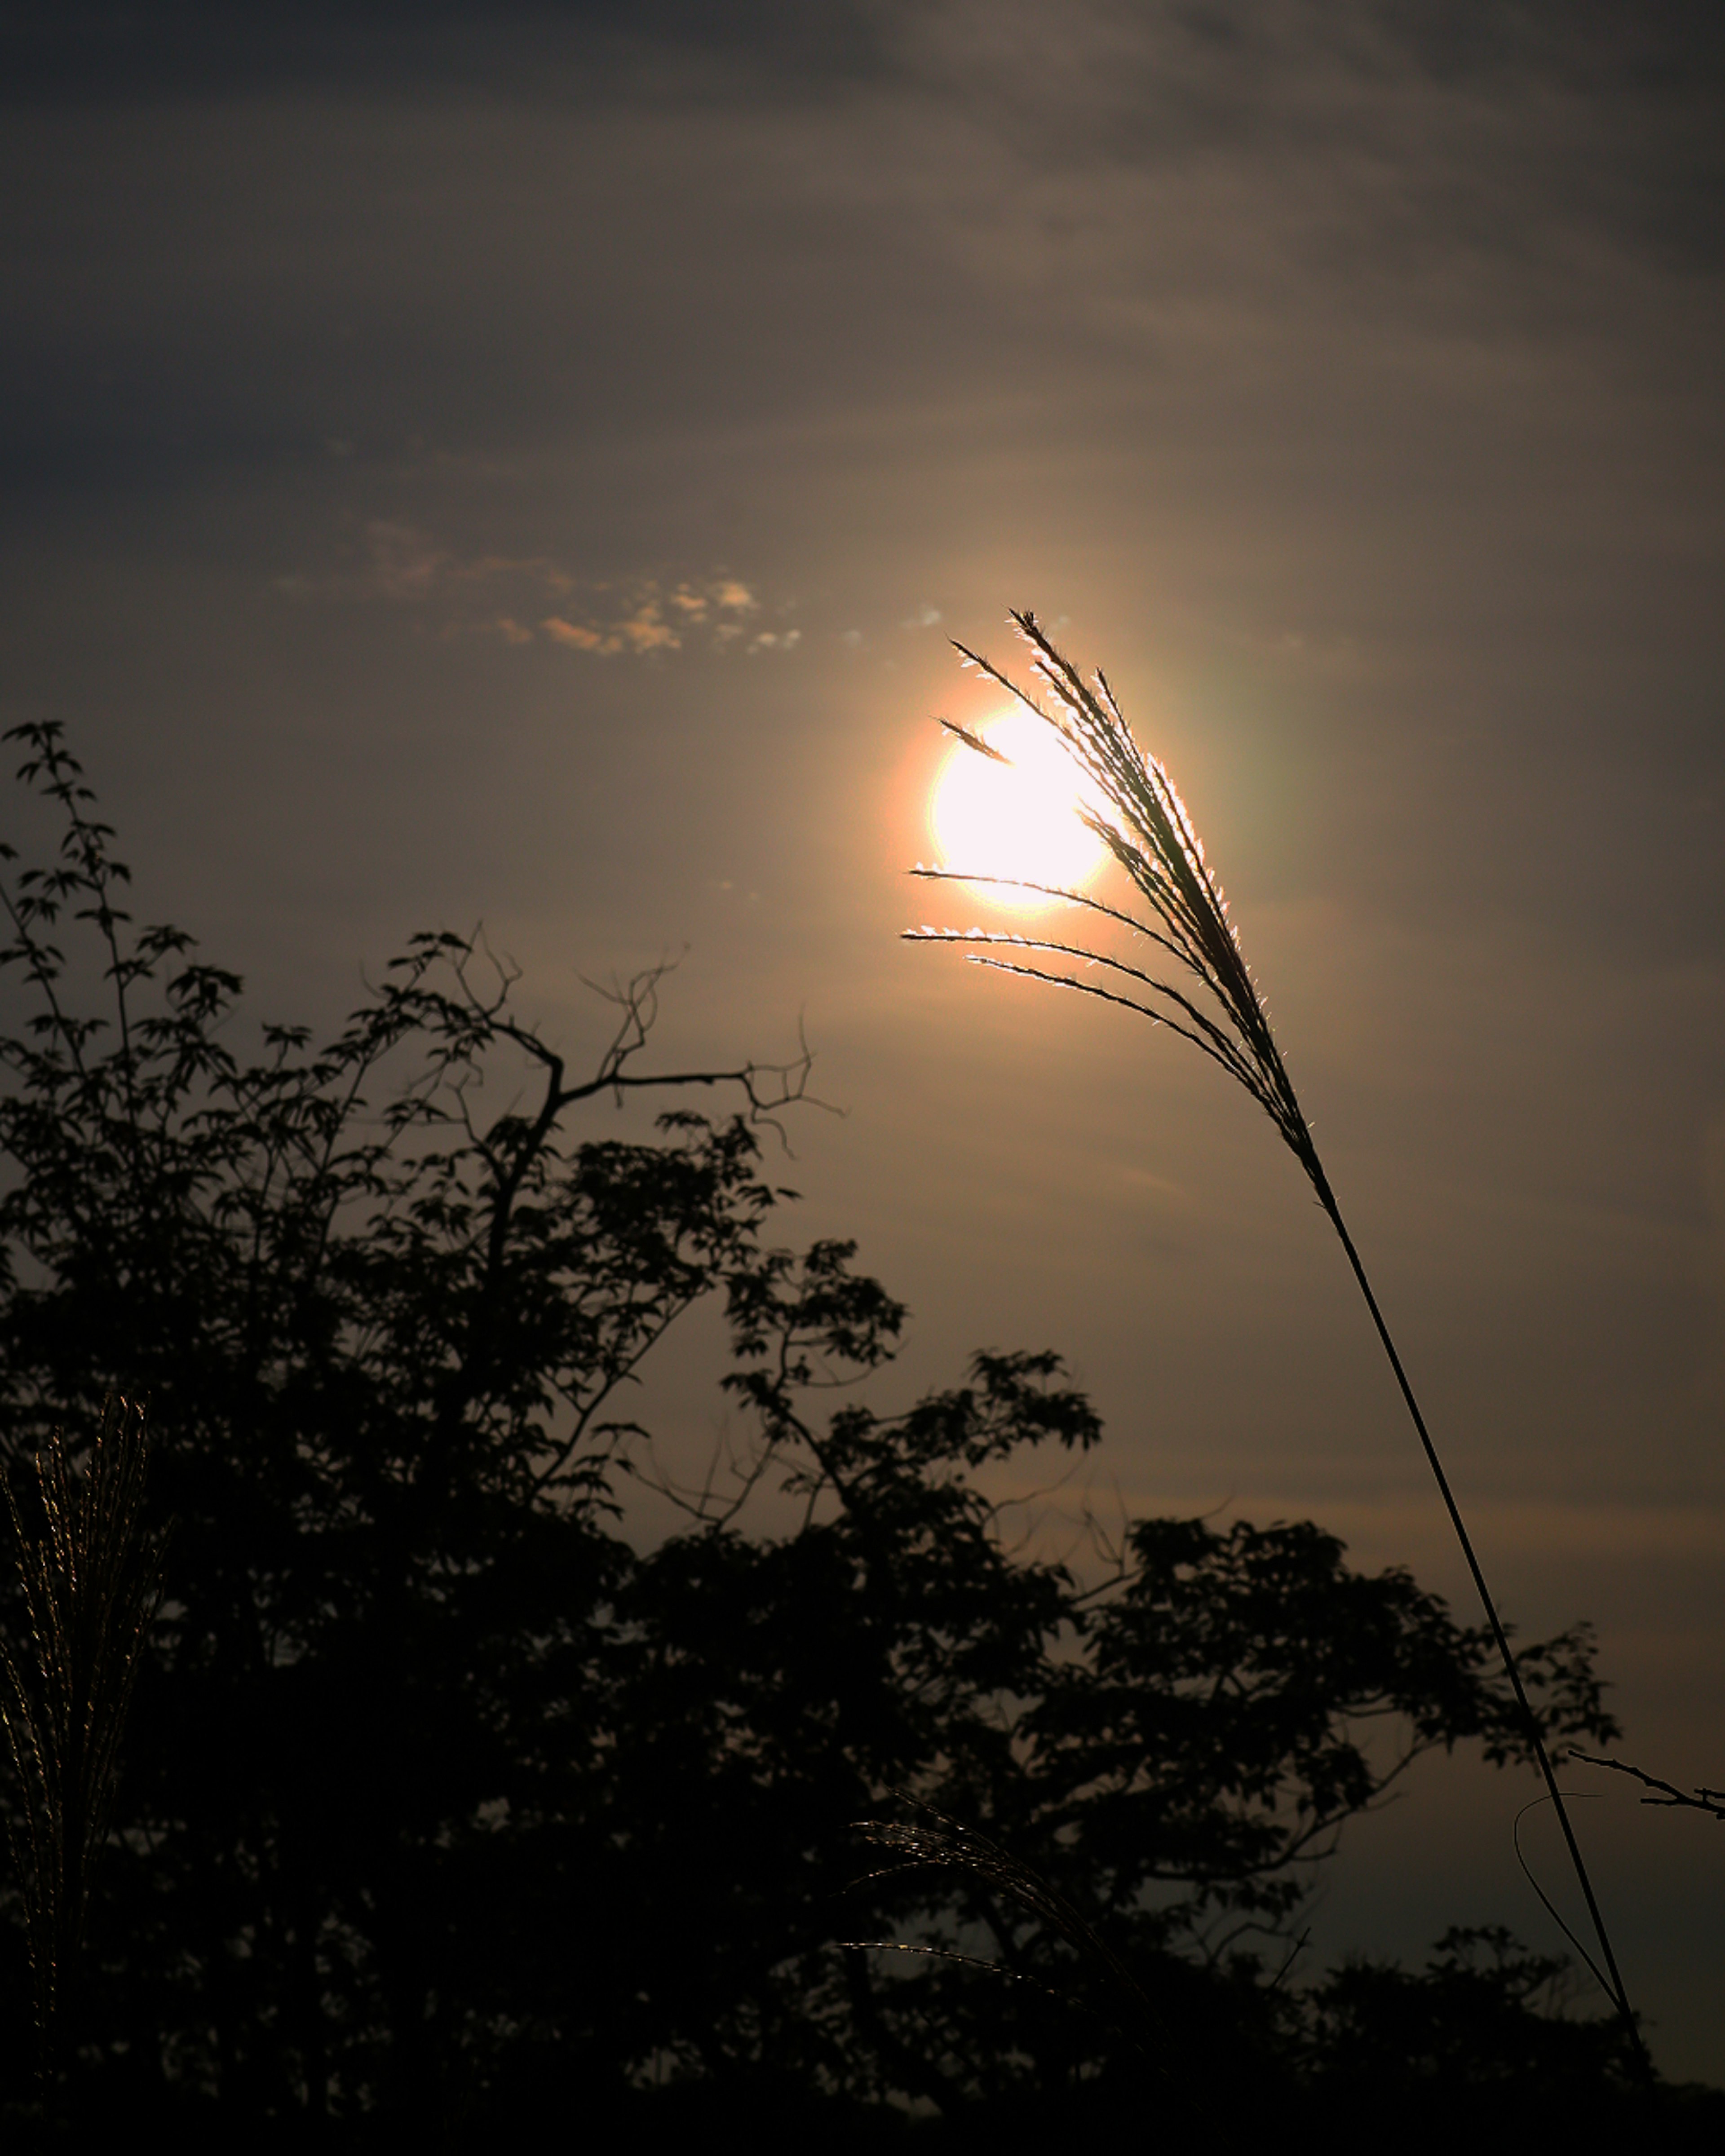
(1155, 843)
(936, 1842)
(91, 1580)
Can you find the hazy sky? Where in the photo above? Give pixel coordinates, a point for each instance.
(523, 464)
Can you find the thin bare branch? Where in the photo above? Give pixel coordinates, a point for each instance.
(1670, 1797)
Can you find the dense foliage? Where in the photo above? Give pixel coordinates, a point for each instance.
(448, 1810)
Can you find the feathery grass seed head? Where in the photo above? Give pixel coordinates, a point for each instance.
(1152, 837)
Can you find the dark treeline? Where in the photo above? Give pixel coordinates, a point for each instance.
(448, 1818)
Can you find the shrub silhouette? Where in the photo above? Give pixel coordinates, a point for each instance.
(446, 1810)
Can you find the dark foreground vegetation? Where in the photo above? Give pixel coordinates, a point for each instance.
(451, 1819)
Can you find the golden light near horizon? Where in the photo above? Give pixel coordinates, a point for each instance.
(1017, 819)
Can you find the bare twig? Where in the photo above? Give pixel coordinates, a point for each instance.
(1712, 1802)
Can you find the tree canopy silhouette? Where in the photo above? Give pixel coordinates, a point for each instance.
(448, 1808)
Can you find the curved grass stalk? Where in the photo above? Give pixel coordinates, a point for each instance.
(1152, 837)
(934, 1841)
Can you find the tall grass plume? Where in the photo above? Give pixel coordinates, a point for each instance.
(1205, 992)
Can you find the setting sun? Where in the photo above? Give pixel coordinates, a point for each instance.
(1017, 819)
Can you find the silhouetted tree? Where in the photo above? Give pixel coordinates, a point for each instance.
(1477, 2035)
(1171, 1750)
(380, 1332)
(448, 1811)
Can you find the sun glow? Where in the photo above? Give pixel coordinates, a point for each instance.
(1018, 818)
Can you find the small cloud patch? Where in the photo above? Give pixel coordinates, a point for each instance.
(532, 598)
(577, 635)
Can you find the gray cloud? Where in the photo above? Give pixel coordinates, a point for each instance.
(1034, 187)
(112, 52)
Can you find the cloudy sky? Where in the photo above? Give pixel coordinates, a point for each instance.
(524, 464)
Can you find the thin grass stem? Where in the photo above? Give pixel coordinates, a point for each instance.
(1615, 1990)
